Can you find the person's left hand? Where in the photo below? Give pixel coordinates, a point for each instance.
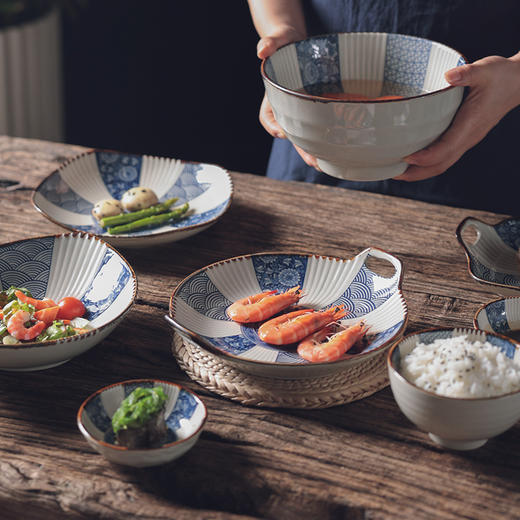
(494, 84)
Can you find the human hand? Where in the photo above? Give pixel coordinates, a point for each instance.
(265, 48)
(494, 84)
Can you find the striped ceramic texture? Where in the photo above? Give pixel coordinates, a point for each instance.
(199, 303)
(74, 264)
(454, 423)
(492, 252)
(68, 195)
(185, 415)
(362, 140)
(501, 316)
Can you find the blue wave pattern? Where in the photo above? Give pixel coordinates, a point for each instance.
(95, 306)
(235, 345)
(381, 337)
(496, 315)
(406, 60)
(27, 264)
(318, 60)
(185, 407)
(187, 187)
(57, 191)
(119, 172)
(280, 272)
(486, 273)
(201, 294)
(509, 232)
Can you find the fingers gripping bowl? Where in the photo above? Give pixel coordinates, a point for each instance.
(198, 307)
(73, 264)
(362, 139)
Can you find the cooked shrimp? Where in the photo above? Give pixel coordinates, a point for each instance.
(294, 326)
(317, 348)
(263, 305)
(16, 326)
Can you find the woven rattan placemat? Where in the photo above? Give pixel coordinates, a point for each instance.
(225, 379)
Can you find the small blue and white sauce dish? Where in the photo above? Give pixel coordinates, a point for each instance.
(198, 308)
(69, 195)
(181, 416)
(54, 267)
(492, 252)
(501, 316)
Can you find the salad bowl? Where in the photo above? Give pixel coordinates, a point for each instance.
(198, 307)
(68, 195)
(492, 252)
(185, 415)
(56, 266)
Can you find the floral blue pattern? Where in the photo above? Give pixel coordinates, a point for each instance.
(279, 272)
(497, 317)
(185, 407)
(119, 172)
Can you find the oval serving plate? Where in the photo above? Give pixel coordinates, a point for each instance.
(492, 253)
(67, 196)
(198, 307)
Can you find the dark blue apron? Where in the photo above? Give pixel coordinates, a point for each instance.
(486, 176)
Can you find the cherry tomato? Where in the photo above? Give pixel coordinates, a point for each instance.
(70, 308)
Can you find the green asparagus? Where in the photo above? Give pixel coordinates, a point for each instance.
(125, 218)
(150, 222)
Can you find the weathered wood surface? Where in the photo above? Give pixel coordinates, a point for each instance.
(364, 460)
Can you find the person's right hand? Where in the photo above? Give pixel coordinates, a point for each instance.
(265, 48)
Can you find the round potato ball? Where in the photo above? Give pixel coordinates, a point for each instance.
(107, 208)
(138, 198)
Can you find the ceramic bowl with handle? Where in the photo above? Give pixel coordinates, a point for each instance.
(185, 415)
(454, 422)
(363, 139)
(492, 252)
(198, 307)
(68, 195)
(72, 264)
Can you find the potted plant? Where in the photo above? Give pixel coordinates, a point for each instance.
(31, 97)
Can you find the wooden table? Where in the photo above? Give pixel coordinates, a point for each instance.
(363, 460)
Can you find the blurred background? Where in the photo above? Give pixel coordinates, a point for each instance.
(161, 77)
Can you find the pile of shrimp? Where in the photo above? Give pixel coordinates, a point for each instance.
(312, 330)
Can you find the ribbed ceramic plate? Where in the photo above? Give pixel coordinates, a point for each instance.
(198, 306)
(492, 253)
(73, 264)
(68, 195)
(501, 316)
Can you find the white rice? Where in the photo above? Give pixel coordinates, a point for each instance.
(457, 367)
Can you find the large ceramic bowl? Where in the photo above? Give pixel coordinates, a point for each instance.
(68, 195)
(492, 252)
(455, 423)
(198, 307)
(74, 264)
(501, 316)
(362, 140)
(185, 415)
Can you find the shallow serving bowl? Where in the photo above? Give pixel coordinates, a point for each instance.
(73, 264)
(198, 306)
(455, 423)
(362, 140)
(68, 195)
(185, 416)
(501, 316)
(492, 253)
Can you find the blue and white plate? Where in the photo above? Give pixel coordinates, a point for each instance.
(73, 264)
(501, 316)
(198, 306)
(185, 416)
(68, 195)
(492, 253)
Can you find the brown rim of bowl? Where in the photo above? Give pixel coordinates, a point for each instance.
(322, 99)
(123, 238)
(440, 329)
(458, 234)
(85, 432)
(225, 355)
(93, 332)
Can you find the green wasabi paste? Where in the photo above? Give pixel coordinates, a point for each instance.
(137, 409)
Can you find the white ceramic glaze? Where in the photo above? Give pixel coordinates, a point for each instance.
(454, 423)
(185, 415)
(492, 252)
(362, 140)
(198, 307)
(68, 195)
(73, 264)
